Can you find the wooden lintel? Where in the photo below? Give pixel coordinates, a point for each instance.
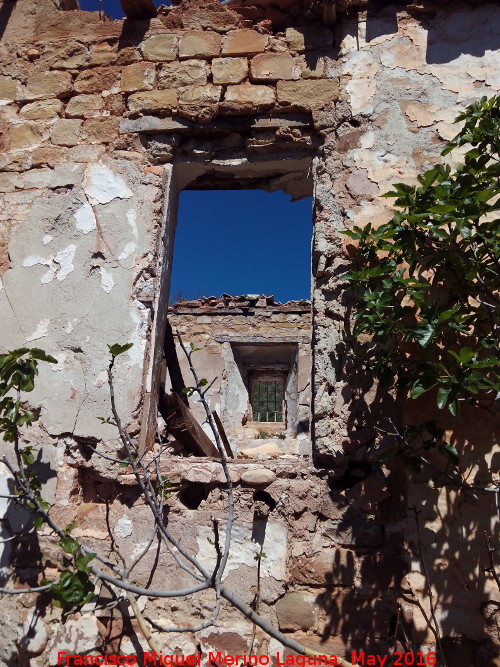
(138, 9)
(222, 433)
(184, 427)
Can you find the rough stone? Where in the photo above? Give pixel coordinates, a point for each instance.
(295, 611)
(331, 567)
(96, 80)
(229, 70)
(273, 67)
(66, 132)
(243, 42)
(71, 55)
(8, 88)
(84, 106)
(47, 84)
(160, 47)
(100, 130)
(138, 76)
(156, 100)
(200, 44)
(358, 532)
(185, 73)
(23, 136)
(103, 54)
(247, 93)
(258, 477)
(312, 65)
(42, 109)
(82, 635)
(308, 38)
(200, 94)
(308, 92)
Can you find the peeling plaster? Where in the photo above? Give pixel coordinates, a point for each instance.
(101, 185)
(40, 331)
(140, 318)
(123, 527)
(47, 239)
(132, 220)
(60, 265)
(127, 250)
(85, 219)
(107, 282)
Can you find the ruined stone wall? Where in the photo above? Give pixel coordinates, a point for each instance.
(103, 123)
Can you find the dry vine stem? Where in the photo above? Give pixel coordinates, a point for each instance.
(153, 495)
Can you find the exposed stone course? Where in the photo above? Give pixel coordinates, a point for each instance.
(242, 42)
(185, 73)
(160, 47)
(199, 44)
(247, 93)
(229, 70)
(47, 84)
(154, 101)
(273, 67)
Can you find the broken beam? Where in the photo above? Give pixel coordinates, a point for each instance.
(184, 427)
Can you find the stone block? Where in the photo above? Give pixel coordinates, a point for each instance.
(48, 156)
(103, 54)
(209, 94)
(8, 182)
(138, 76)
(331, 567)
(243, 42)
(69, 55)
(96, 80)
(185, 73)
(229, 70)
(355, 532)
(200, 44)
(308, 92)
(8, 88)
(153, 101)
(160, 47)
(295, 611)
(47, 84)
(258, 477)
(41, 110)
(312, 65)
(247, 93)
(66, 132)
(23, 136)
(308, 38)
(84, 106)
(100, 130)
(273, 67)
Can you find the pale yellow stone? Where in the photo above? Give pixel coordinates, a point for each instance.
(185, 73)
(100, 130)
(155, 100)
(8, 88)
(229, 70)
(200, 94)
(273, 67)
(47, 84)
(103, 54)
(308, 38)
(242, 42)
(42, 109)
(247, 93)
(68, 55)
(138, 76)
(66, 132)
(84, 106)
(160, 47)
(308, 92)
(22, 136)
(199, 44)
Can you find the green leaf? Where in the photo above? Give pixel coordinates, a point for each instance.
(442, 396)
(69, 544)
(118, 349)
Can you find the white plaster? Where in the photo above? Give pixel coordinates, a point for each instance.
(101, 379)
(127, 250)
(107, 282)
(59, 265)
(132, 220)
(101, 185)
(1, 285)
(85, 219)
(40, 332)
(61, 359)
(243, 549)
(123, 527)
(139, 316)
(47, 239)
(5, 490)
(71, 325)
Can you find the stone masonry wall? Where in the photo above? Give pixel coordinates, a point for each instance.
(102, 124)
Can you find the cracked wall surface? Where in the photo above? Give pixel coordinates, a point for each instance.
(102, 124)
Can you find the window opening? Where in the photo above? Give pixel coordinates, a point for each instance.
(267, 399)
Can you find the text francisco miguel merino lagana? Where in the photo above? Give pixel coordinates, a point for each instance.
(218, 658)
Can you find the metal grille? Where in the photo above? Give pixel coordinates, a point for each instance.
(267, 400)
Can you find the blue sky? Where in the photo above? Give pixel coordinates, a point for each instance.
(242, 242)
(112, 7)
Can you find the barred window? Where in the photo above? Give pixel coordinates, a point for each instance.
(267, 400)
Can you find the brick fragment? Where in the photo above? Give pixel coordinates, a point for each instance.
(273, 67)
(185, 73)
(242, 42)
(153, 101)
(160, 47)
(229, 70)
(200, 44)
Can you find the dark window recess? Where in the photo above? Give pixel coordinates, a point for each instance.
(267, 400)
